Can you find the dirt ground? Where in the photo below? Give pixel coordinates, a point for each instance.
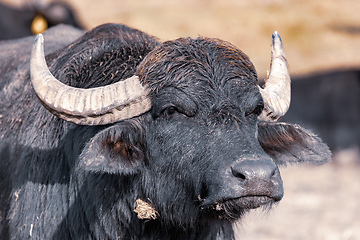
(318, 35)
(320, 203)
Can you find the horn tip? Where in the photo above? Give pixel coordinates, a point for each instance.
(39, 38)
(275, 33)
(277, 44)
(276, 38)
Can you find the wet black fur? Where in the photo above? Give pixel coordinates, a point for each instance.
(64, 181)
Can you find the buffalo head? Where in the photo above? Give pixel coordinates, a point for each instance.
(192, 129)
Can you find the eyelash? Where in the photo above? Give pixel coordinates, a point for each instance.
(169, 112)
(257, 110)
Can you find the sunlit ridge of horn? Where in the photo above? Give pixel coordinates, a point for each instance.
(101, 105)
(277, 90)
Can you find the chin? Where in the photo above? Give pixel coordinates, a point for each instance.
(233, 209)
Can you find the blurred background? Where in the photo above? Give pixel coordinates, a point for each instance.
(322, 44)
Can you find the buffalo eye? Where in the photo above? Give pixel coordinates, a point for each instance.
(169, 112)
(257, 110)
(177, 112)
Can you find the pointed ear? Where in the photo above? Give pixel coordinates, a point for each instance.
(116, 149)
(288, 143)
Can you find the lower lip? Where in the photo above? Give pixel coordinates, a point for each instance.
(252, 202)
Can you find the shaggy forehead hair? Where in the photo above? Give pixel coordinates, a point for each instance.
(184, 60)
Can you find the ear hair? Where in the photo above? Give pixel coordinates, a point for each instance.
(116, 149)
(290, 143)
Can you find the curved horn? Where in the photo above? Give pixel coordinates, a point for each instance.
(277, 90)
(94, 106)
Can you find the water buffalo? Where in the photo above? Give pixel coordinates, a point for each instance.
(124, 137)
(18, 22)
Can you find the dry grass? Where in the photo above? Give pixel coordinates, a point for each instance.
(145, 210)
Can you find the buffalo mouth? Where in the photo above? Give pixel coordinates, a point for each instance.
(234, 208)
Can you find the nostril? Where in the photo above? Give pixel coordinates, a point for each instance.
(238, 174)
(248, 170)
(273, 173)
